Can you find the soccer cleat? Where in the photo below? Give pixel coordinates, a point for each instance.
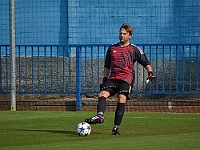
(95, 119)
(115, 131)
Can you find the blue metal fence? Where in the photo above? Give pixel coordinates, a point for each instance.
(78, 69)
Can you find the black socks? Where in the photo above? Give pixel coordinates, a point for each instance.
(101, 107)
(119, 113)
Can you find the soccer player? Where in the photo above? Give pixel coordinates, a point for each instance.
(118, 76)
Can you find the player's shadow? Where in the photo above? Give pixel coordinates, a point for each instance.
(51, 131)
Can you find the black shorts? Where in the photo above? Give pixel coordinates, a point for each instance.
(117, 87)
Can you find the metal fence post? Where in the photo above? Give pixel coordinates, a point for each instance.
(12, 57)
(0, 72)
(78, 79)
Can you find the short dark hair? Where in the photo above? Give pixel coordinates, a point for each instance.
(127, 27)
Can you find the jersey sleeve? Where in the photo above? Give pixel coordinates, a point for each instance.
(141, 57)
(108, 59)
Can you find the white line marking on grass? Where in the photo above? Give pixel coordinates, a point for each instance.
(180, 118)
(160, 118)
(137, 117)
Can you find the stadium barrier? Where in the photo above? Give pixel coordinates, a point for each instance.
(78, 69)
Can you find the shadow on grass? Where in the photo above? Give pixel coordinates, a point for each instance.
(51, 131)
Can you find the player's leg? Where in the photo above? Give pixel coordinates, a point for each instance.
(101, 106)
(119, 113)
(124, 94)
(107, 90)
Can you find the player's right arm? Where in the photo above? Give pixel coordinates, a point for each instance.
(106, 72)
(107, 65)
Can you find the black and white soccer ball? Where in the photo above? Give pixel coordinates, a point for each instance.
(83, 129)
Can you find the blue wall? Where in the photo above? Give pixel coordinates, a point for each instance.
(98, 21)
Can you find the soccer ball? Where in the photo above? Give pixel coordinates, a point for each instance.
(83, 129)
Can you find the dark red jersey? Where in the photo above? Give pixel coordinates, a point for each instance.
(120, 61)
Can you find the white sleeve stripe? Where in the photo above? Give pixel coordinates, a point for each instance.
(140, 50)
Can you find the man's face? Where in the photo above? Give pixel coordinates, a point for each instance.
(124, 36)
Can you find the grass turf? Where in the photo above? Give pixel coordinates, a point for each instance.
(57, 130)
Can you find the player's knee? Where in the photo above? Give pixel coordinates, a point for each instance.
(121, 98)
(105, 94)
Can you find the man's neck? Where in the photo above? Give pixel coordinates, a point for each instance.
(124, 44)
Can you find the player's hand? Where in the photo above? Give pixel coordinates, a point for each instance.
(104, 80)
(151, 77)
(101, 85)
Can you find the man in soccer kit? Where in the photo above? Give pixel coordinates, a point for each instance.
(118, 76)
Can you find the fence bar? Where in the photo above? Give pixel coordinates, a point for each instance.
(92, 62)
(197, 68)
(33, 75)
(190, 70)
(163, 69)
(57, 61)
(45, 70)
(12, 57)
(183, 69)
(26, 68)
(64, 68)
(38, 78)
(0, 72)
(78, 79)
(177, 72)
(170, 71)
(19, 71)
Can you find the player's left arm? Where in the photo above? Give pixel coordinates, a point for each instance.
(143, 60)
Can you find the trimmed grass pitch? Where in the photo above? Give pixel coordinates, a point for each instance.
(56, 130)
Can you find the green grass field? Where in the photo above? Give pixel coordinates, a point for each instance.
(56, 130)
